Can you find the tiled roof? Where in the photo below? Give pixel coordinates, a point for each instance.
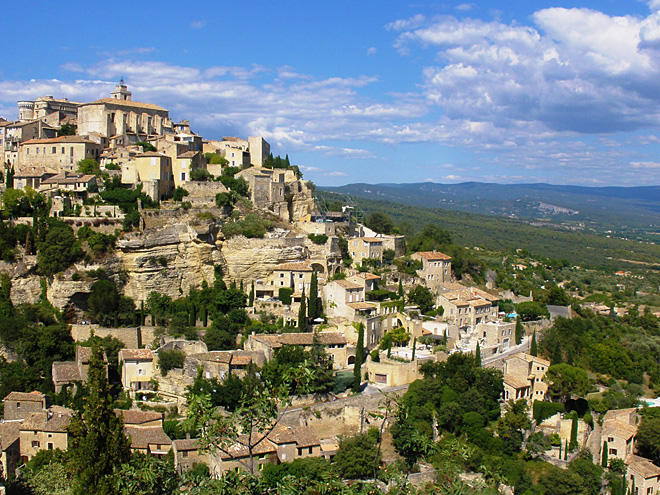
(291, 434)
(361, 305)
(141, 437)
(10, 431)
(137, 354)
(347, 284)
(371, 239)
(188, 154)
(239, 449)
(302, 266)
(433, 255)
(150, 153)
(40, 421)
(619, 428)
(68, 178)
(25, 396)
(643, 466)
(125, 103)
(186, 444)
(60, 140)
(516, 382)
(367, 276)
(135, 417)
(33, 172)
(66, 372)
(323, 338)
(238, 360)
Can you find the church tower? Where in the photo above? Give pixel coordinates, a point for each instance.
(121, 92)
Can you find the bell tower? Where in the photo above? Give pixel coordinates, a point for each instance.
(121, 92)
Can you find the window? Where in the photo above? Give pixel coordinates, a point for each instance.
(183, 176)
(28, 151)
(610, 439)
(62, 150)
(35, 443)
(140, 371)
(612, 451)
(71, 151)
(184, 453)
(37, 151)
(18, 405)
(50, 446)
(54, 150)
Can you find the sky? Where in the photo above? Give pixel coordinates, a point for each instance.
(561, 91)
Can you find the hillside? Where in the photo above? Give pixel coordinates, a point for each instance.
(501, 234)
(627, 212)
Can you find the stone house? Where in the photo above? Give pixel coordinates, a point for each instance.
(32, 177)
(137, 368)
(154, 171)
(259, 150)
(145, 431)
(10, 433)
(643, 475)
(53, 111)
(44, 430)
(16, 133)
(236, 157)
(523, 378)
(70, 372)
(120, 115)
(467, 307)
(296, 276)
(620, 432)
(187, 454)
(368, 280)
(335, 344)
(362, 248)
(119, 153)
(219, 364)
(495, 336)
(391, 373)
(72, 184)
(267, 186)
(436, 268)
(340, 296)
(61, 153)
(19, 405)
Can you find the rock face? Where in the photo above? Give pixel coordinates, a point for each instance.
(169, 260)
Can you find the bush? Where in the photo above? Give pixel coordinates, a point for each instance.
(544, 410)
(112, 166)
(319, 239)
(251, 226)
(170, 359)
(179, 194)
(284, 295)
(199, 174)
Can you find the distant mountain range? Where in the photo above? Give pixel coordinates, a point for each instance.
(633, 211)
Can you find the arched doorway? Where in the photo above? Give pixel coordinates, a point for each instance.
(318, 268)
(351, 360)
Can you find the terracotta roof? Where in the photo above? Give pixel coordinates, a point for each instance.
(480, 303)
(367, 276)
(135, 417)
(141, 437)
(137, 354)
(214, 356)
(292, 434)
(238, 450)
(516, 382)
(186, 444)
(361, 305)
(33, 172)
(124, 103)
(302, 266)
(323, 338)
(531, 359)
(68, 178)
(40, 421)
(619, 428)
(25, 396)
(347, 284)
(238, 360)
(643, 466)
(433, 255)
(10, 431)
(59, 140)
(371, 239)
(66, 372)
(188, 154)
(150, 153)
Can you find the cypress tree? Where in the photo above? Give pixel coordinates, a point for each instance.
(302, 312)
(519, 330)
(603, 458)
(477, 355)
(251, 296)
(574, 433)
(401, 293)
(205, 317)
(444, 337)
(97, 443)
(359, 358)
(193, 315)
(566, 450)
(313, 308)
(389, 348)
(142, 315)
(241, 286)
(414, 346)
(560, 444)
(534, 350)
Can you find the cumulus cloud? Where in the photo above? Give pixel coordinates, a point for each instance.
(465, 7)
(372, 51)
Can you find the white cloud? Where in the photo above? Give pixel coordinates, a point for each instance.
(197, 24)
(465, 7)
(72, 67)
(404, 24)
(372, 51)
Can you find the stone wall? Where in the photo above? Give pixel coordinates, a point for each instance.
(132, 337)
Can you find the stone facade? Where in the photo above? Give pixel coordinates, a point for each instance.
(137, 368)
(436, 268)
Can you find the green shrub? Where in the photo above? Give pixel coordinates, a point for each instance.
(544, 410)
(170, 359)
(319, 239)
(284, 295)
(251, 226)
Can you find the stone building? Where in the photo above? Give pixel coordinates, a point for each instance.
(145, 431)
(53, 111)
(643, 475)
(436, 268)
(296, 276)
(187, 454)
(154, 171)
(19, 405)
(362, 248)
(523, 378)
(72, 184)
(44, 430)
(333, 343)
(32, 177)
(10, 433)
(620, 432)
(61, 154)
(259, 150)
(16, 133)
(467, 307)
(71, 372)
(137, 368)
(119, 115)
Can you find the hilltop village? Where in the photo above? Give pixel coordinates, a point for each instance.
(204, 281)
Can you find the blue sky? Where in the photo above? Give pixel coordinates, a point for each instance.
(565, 92)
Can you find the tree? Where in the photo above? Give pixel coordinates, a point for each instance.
(251, 296)
(146, 146)
(359, 359)
(573, 445)
(531, 311)
(603, 460)
(422, 297)
(179, 194)
(380, 223)
(89, 166)
(97, 443)
(565, 380)
(10, 178)
(58, 249)
(170, 359)
(534, 350)
(103, 301)
(302, 313)
(355, 456)
(314, 302)
(200, 174)
(520, 330)
(400, 291)
(648, 437)
(67, 130)
(477, 355)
